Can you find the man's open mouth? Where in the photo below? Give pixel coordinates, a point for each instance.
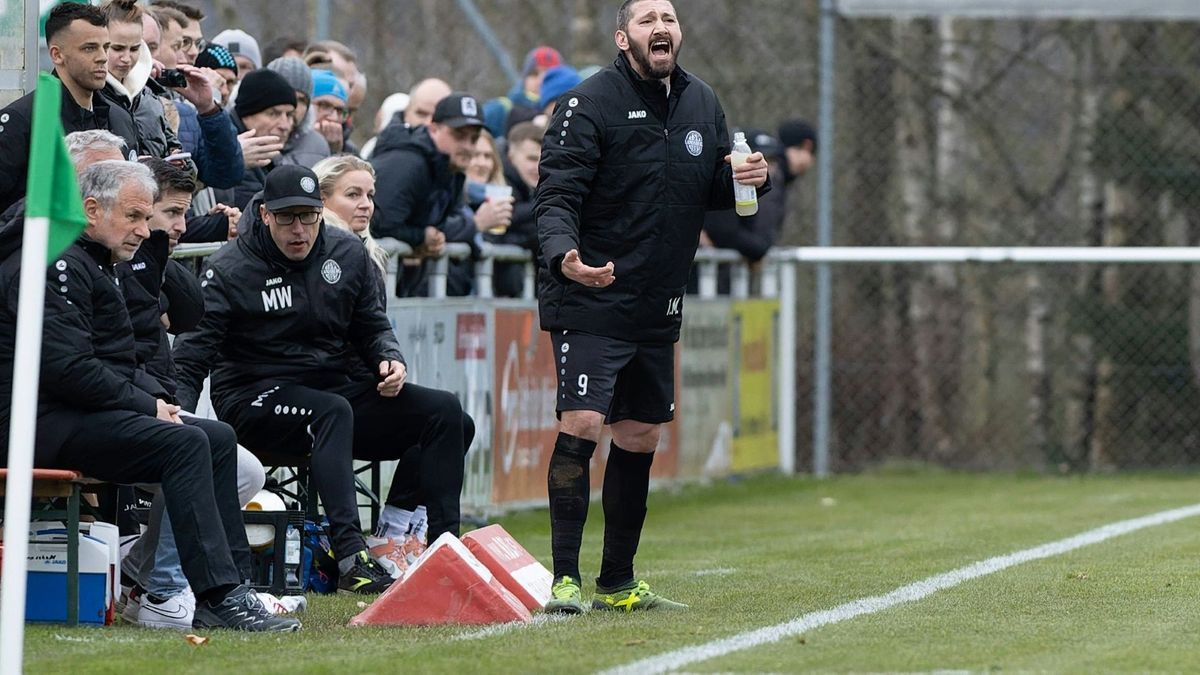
(660, 47)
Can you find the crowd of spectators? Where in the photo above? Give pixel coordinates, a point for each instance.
(240, 111)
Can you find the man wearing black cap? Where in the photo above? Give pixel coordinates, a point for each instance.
(800, 144)
(420, 178)
(292, 311)
(264, 105)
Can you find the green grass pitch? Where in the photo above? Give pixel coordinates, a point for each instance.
(758, 552)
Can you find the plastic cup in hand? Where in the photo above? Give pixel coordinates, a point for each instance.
(494, 193)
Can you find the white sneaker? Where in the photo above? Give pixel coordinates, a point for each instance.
(130, 605)
(175, 612)
(287, 604)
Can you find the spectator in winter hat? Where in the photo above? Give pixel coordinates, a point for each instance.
(219, 59)
(244, 48)
(392, 108)
(524, 94)
(330, 110)
(299, 75)
(800, 144)
(265, 104)
(304, 146)
(557, 81)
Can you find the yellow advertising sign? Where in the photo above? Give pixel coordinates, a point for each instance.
(755, 414)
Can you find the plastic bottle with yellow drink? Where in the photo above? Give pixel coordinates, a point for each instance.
(745, 197)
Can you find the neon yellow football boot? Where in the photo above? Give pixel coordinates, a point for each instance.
(634, 596)
(565, 597)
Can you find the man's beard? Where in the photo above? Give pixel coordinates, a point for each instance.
(642, 58)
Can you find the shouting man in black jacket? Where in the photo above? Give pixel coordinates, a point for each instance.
(292, 311)
(633, 158)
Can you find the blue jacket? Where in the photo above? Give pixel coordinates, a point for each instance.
(212, 140)
(497, 110)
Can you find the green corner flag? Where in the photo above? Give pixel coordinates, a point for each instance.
(52, 191)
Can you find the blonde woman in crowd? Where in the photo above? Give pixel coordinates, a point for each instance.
(485, 169)
(348, 190)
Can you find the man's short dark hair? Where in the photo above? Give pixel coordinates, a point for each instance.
(165, 15)
(623, 14)
(66, 13)
(526, 131)
(335, 47)
(275, 48)
(169, 177)
(192, 12)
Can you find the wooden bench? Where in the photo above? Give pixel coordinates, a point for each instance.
(48, 485)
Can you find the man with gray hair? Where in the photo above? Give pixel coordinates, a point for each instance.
(91, 416)
(95, 145)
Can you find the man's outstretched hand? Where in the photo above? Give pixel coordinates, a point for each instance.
(594, 277)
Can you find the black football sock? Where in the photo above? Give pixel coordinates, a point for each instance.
(626, 484)
(569, 488)
(216, 594)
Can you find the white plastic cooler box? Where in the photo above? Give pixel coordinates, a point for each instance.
(99, 573)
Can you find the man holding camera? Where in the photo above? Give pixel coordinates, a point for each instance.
(77, 36)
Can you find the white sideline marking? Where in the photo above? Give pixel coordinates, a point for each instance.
(716, 572)
(502, 628)
(915, 591)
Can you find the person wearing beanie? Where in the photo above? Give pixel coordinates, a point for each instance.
(244, 48)
(329, 104)
(264, 105)
(219, 59)
(557, 81)
(800, 144)
(526, 93)
(392, 108)
(300, 76)
(304, 146)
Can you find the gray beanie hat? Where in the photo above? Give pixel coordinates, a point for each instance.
(240, 43)
(295, 71)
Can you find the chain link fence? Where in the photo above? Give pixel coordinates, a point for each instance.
(956, 132)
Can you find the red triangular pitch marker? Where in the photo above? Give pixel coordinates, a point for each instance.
(446, 585)
(520, 573)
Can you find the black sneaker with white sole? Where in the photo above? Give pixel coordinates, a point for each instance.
(242, 610)
(366, 577)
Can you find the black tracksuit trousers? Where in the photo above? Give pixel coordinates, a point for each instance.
(348, 422)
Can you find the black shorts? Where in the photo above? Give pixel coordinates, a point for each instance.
(623, 380)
